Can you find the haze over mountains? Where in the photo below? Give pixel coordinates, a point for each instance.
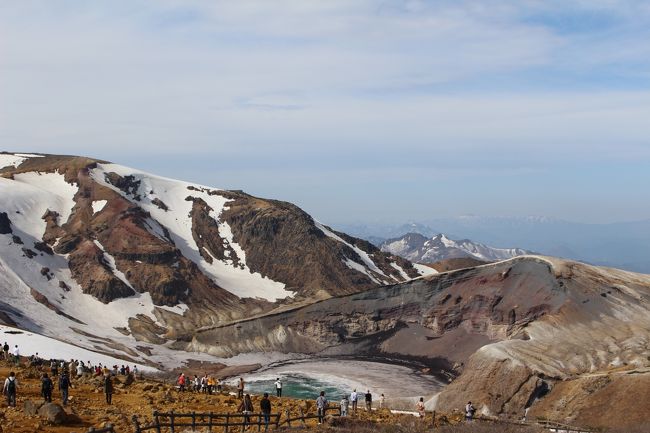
(625, 245)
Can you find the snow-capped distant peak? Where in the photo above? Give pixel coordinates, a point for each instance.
(417, 248)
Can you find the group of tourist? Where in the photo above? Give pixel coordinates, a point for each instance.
(353, 401)
(204, 384)
(62, 372)
(14, 356)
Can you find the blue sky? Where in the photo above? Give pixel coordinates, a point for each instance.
(355, 110)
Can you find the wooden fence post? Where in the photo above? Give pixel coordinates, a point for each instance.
(193, 420)
(171, 421)
(302, 417)
(277, 421)
(210, 422)
(227, 422)
(136, 423)
(286, 411)
(434, 419)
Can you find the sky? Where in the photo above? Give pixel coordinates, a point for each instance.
(355, 110)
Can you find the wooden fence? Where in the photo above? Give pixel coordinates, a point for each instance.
(171, 421)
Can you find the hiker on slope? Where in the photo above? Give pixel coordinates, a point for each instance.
(10, 388)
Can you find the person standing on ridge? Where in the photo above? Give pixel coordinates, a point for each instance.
(240, 388)
(16, 354)
(265, 408)
(64, 386)
(246, 408)
(353, 399)
(345, 403)
(108, 389)
(419, 407)
(469, 411)
(368, 401)
(5, 351)
(278, 387)
(46, 388)
(181, 382)
(321, 406)
(382, 401)
(10, 389)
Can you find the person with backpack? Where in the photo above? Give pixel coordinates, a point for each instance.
(54, 368)
(10, 388)
(46, 388)
(265, 408)
(321, 406)
(246, 408)
(108, 389)
(64, 386)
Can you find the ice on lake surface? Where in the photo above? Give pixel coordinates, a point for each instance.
(306, 378)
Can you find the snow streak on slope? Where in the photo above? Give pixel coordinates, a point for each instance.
(111, 264)
(238, 280)
(367, 264)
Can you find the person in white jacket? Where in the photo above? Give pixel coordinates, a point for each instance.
(16, 353)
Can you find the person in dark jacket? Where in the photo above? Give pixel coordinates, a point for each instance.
(64, 386)
(46, 388)
(108, 389)
(246, 408)
(265, 407)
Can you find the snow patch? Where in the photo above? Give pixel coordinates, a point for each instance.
(28, 196)
(98, 205)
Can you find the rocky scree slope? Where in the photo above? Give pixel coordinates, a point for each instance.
(531, 332)
(114, 256)
(420, 249)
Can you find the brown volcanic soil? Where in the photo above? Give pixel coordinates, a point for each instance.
(455, 264)
(88, 408)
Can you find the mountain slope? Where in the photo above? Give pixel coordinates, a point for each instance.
(506, 333)
(93, 248)
(419, 249)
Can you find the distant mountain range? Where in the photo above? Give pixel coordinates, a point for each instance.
(420, 249)
(624, 245)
